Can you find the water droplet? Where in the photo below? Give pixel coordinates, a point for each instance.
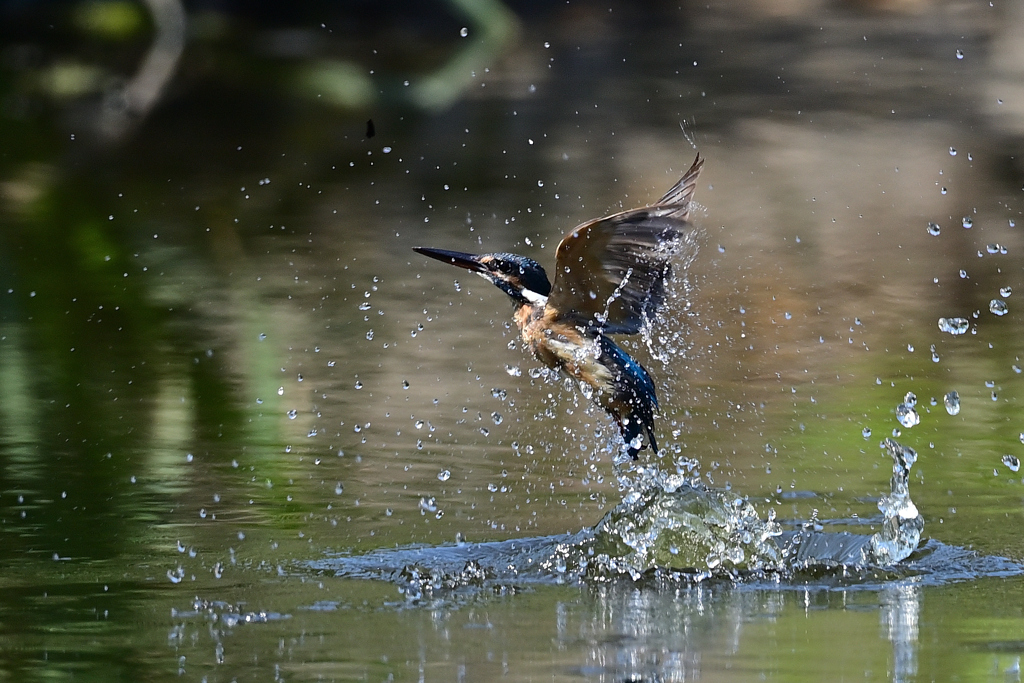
(910, 399)
(458, 287)
(959, 55)
(292, 414)
(369, 335)
(967, 222)
(998, 307)
(952, 150)
(934, 229)
(866, 433)
(943, 190)
(464, 32)
(365, 306)
(280, 391)
(954, 326)
(497, 418)
(358, 384)
(444, 475)
(540, 183)
(418, 424)
(299, 378)
(513, 370)
(993, 248)
(963, 274)
(907, 416)
(952, 403)
(262, 336)
(405, 384)
(1012, 462)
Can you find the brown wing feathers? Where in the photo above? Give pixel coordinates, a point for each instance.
(682, 192)
(610, 273)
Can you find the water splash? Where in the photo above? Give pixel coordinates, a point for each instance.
(901, 530)
(952, 403)
(954, 326)
(907, 415)
(684, 528)
(672, 528)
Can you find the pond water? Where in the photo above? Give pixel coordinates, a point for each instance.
(246, 433)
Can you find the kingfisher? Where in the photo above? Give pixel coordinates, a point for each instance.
(609, 279)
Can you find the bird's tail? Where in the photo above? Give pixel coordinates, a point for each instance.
(634, 398)
(640, 420)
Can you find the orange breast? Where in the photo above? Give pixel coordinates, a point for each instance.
(562, 347)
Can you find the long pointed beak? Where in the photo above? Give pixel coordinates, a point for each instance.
(455, 258)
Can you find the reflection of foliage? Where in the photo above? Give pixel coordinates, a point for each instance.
(84, 329)
(114, 19)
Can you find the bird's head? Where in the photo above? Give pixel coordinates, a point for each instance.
(521, 278)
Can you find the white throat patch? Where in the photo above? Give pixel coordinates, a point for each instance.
(534, 298)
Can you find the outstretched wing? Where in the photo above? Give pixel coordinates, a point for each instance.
(682, 192)
(610, 273)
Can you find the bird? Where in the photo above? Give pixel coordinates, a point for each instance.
(609, 279)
